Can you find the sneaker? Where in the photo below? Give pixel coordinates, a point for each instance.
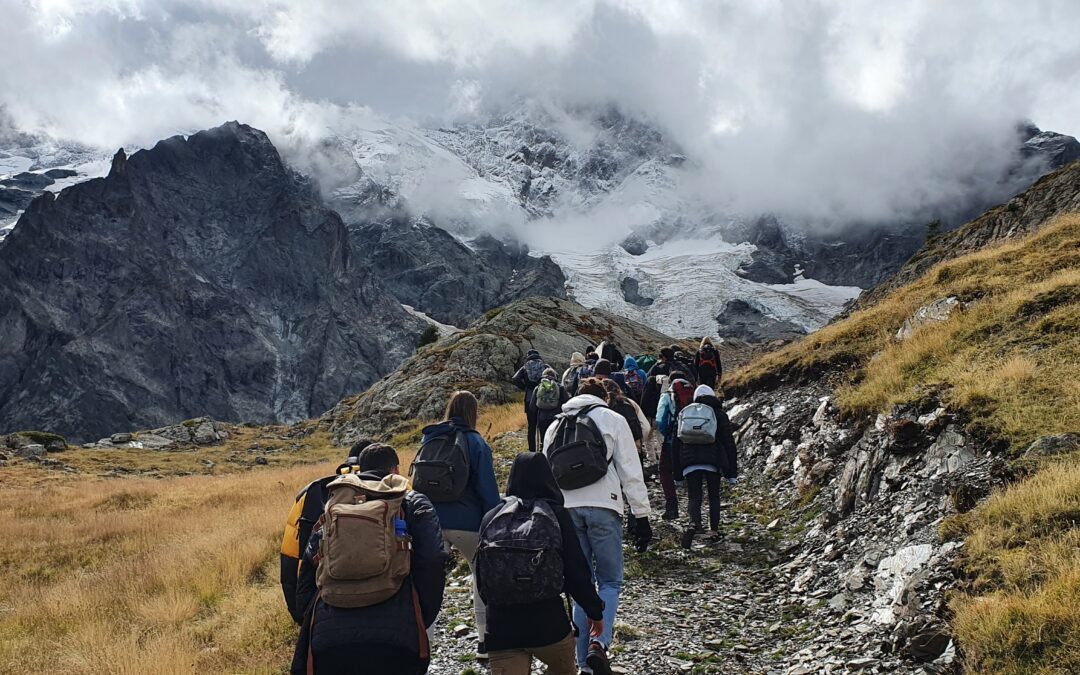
(481, 651)
(671, 510)
(688, 538)
(597, 660)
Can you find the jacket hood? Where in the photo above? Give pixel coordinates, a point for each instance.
(629, 363)
(703, 390)
(577, 359)
(532, 355)
(582, 401)
(445, 427)
(705, 341)
(531, 478)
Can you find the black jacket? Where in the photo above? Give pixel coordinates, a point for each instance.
(543, 623)
(389, 632)
(521, 378)
(706, 372)
(543, 416)
(721, 453)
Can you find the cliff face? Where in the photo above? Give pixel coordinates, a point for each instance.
(198, 277)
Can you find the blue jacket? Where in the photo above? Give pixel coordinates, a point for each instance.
(630, 363)
(665, 416)
(481, 493)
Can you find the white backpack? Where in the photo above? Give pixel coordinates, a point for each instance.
(697, 424)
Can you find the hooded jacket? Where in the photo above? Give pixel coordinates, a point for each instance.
(630, 364)
(722, 452)
(624, 473)
(542, 623)
(521, 378)
(389, 630)
(481, 492)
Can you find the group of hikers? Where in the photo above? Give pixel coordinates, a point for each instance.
(365, 551)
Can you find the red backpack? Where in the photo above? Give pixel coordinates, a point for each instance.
(707, 356)
(682, 393)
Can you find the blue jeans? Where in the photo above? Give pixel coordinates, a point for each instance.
(600, 532)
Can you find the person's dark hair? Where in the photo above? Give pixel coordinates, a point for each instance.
(359, 446)
(614, 391)
(590, 350)
(594, 386)
(602, 367)
(379, 458)
(675, 349)
(463, 406)
(667, 353)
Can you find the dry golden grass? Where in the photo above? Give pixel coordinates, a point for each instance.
(1010, 360)
(143, 575)
(1023, 550)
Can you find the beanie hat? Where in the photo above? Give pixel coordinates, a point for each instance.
(603, 367)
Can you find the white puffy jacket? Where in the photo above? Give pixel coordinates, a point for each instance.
(624, 472)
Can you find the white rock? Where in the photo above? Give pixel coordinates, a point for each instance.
(936, 311)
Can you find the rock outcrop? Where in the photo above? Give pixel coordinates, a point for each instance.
(201, 277)
(429, 269)
(482, 359)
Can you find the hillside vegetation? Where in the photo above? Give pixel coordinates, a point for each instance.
(1009, 362)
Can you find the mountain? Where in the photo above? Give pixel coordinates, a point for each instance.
(200, 277)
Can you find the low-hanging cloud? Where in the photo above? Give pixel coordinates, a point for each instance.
(824, 110)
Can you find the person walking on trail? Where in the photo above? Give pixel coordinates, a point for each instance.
(454, 468)
(685, 364)
(362, 620)
(307, 507)
(707, 362)
(634, 378)
(589, 369)
(708, 456)
(677, 394)
(546, 401)
(608, 350)
(526, 379)
(571, 376)
(631, 412)
(594, 460)
(605, 371)
(535, 624)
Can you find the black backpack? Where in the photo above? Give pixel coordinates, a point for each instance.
(626, 409)
(441, 467)
(519, 558)
(577, 454)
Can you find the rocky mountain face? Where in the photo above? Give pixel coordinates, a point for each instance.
(451, 281)
(482, 359)
(200, 277)
(1051, 196)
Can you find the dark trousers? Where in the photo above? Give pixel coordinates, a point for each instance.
(530, 414)
(667, 470)
(541, 428)
(694, 483)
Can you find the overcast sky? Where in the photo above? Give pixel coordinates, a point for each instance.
(860, 106)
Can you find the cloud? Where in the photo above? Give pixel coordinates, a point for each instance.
(824, 110)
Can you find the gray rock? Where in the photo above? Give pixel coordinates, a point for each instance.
(204, 434)
(153, 441)
(155, 294)
(1054, 445)
(936, 311)
(56, 445)
(30, 450)
(57, 174)
(120, 438)
(634, 244)
(744, 321)
(28, 181)
(631, 293)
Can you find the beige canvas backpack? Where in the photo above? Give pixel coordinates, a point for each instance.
(365, 555)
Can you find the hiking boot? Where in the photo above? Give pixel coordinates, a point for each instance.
(671, 509)
(597, 660)
(688, 537)
(481, 651)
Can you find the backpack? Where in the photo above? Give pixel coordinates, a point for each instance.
(519, 557)
(634, 383)
(587, 370)
(441, 467)
(682, 393)
(707, 357)
(697, 424)
(646, 362)
(547, 395)
(570, 378)
(365, 554)
(626, 409)
(577, 454)
(534, 369)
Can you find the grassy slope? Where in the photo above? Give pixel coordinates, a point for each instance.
(1011, 362)
(170, 575)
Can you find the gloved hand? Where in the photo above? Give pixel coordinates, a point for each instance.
(642, 533)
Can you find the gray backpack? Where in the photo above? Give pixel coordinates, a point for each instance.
(697, 424)
(519, 559)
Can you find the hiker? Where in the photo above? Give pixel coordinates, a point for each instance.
(526, 378)
(589, 368)
(570, 376)
(371, 615)
(603, 371)
(677, 394)
(546, 401)
(531, 621)
(631, 412)
(465, 492)
(685, 365)
(608, 350)
(646, 362)
(634, 378)
(708, 363)
(663, 366)
(594, 460)
(707, 454)
(306, 510)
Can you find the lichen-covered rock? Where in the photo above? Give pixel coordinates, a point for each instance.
(936, 311)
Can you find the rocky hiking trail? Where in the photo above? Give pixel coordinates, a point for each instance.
(829, 560)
